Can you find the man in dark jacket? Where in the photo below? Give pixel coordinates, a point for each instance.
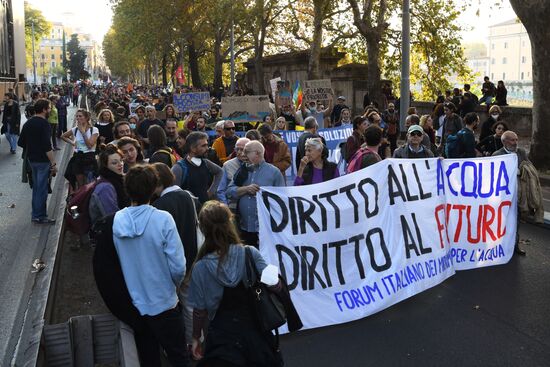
(11, 120)
(35, 139)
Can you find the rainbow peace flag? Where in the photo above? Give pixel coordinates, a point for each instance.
(297, 94)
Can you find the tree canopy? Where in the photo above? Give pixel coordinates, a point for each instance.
(41, 29)
(145, 46)
(76, 61)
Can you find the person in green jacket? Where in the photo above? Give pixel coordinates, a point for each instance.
(54, 120)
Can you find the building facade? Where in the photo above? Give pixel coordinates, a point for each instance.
(49, 55)
(12, 46)
(510, 58)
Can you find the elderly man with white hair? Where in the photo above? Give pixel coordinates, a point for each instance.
(246, 183)
(510, 146)
(229, 169)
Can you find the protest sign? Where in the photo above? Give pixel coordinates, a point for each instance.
(357, 244)
(245, 108)
(133, 106)
(186, 102)
(333, 137)
(318, 90)
(273, 84)
(284, 94)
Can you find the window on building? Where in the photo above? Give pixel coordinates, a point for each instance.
(53, 64)
(43, 56)
(522, 76)
(493, 61)
(51, 48)
(505, 44)
(492, 76)
(53, 57)
(503, 76)
(504, 60)
(523, 59)
(61, 57)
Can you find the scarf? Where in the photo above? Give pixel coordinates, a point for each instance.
(117, 181)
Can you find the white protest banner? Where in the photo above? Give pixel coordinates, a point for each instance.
(355, 245)
(186, 102)
(245, 108)
(318, 90)
(273, 84)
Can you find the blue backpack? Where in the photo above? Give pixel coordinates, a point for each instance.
(454, 145)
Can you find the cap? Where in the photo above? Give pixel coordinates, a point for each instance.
(342, 98)
(415, 128)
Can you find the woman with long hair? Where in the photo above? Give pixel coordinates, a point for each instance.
(217, 292)
(133, 154)
(492, 143)
(83, 137)
(314, 166)
(105, 124)
(108, 196)
(171, 113)
(160, 152)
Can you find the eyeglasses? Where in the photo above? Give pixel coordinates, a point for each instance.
(416, 133)
(229, 128)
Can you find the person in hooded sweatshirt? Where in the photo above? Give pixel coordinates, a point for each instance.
(153, 262)
(217, 292)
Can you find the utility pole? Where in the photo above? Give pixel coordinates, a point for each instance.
(232, 57)
(64, 50)
(405, 64)
(33, 61)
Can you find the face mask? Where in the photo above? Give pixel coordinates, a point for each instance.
(495, 116)
(133, 126)
(196, 161)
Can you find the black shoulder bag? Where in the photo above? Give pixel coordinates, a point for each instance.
(268, 307)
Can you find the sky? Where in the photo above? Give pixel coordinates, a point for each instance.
(96, 19)
(93, 16)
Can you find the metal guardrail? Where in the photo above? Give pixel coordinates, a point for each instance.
(85, 341)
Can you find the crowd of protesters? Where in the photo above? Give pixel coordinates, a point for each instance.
(174, 199)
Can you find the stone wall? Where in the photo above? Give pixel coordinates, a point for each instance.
(519, 119)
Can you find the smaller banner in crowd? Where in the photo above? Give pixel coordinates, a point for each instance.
(333, 137)
(246, 108)
(284, 94)
(133, 106)
(318, 90)
(357, 244)
(186, 102)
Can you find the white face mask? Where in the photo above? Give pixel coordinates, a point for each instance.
(495, 116)
(196, 161)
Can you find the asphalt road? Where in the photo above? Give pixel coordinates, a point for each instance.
(20, 243)
(496, 316)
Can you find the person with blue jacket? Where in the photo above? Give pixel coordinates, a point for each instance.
(153, 262)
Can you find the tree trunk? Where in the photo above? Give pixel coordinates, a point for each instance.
(534, 15)
(374, 83)
(164, 71)
(313, 69)
(218, 63)
(194, 65)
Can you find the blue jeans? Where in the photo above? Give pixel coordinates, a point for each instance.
(11, 138)
(486, 99)
(40, 175)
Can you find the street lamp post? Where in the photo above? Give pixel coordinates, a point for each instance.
(33, 61)
(405, 64)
